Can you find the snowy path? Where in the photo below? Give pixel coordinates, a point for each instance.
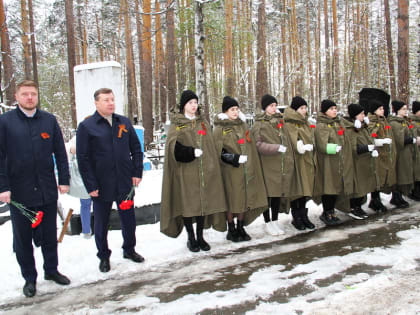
(370, 266)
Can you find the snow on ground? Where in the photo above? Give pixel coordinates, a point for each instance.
(77, 260)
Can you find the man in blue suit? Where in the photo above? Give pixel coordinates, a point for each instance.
(110, 163)
(29, 137)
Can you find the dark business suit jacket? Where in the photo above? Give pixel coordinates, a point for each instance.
(108, 158)
(27, 146)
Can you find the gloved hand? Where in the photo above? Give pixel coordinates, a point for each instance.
(282, 148)
(366, 119)
(374, 153)
(371, 147)
(414, 140)
(357, 124)
(300, 147)
(308, 147)
(243, 159)
(387, 140)
(198, 152)
(379, 142)
(338, 148)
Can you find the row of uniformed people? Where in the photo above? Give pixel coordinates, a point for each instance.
(214, 176)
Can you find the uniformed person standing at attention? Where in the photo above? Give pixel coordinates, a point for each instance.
(111, 164)
(29, 137)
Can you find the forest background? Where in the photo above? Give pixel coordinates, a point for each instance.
(245, 48)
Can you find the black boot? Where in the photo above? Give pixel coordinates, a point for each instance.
(233, 234)
(403, 204)
(200, 239)
(376, 204)
(397, 200)
(297, 220)
(329, 218)
(305, 219)
(243, 234)
(415, 193)
(192, 244)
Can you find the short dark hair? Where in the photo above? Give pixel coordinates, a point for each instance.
(102, 91)
(26, 83)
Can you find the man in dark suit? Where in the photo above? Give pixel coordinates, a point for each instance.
(110, 163)
(29, 137)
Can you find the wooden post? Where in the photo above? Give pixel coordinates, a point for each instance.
(65, 225)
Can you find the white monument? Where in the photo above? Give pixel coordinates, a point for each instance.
(92, 76)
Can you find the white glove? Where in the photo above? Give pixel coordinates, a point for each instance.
(308, 147)
(414, 140)
(357, 124)
(379, 142)
(375, 153)
(371, 147)
(300, 147)
(338, 148)
(366, 119)
(282, 148)
(243, 159)
(198, 152)
(387, 140)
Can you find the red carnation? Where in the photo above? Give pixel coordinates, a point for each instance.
(387, 127)
(312, 126)
(241, 141)
(279, 125)
(127, 203)
(341, 131)
(374, 135)
(202, 132)
(411, 126)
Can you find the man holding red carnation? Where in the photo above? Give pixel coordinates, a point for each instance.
(111, 165)
(29, 137)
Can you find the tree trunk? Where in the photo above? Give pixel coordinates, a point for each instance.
(336, 52)
(161, 73)
(27, 62)
(403, 48)
(261, 54)
(309, 52)
(33, 43)
(389, 50)
(147, 85)
(250, 57)
(327, 51)
(284, 55)
(191, 47)
(199, 57)
(6, 57)
(71, 57)
(132, 106)
(228, 62)
(170, 55)
(98, 31)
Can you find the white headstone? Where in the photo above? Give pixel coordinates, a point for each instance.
(92, 76)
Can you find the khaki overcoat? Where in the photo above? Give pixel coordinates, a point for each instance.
(415, 121)
(194, 188)
(386, 162)
(278, 168)
(364, 165)
(298, 128)
(244, 185)
(334, 172)
(402, 129)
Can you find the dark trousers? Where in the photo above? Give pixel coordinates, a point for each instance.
(328, 202)
(274, 204)
(101, 211)
(356, 202)
(44, 235)
(299, 203)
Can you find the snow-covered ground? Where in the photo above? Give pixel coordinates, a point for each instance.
(394, 290)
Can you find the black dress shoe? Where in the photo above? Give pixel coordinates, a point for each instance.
(57, 278)
(134, 257)
(104, 265)
(29, 289)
